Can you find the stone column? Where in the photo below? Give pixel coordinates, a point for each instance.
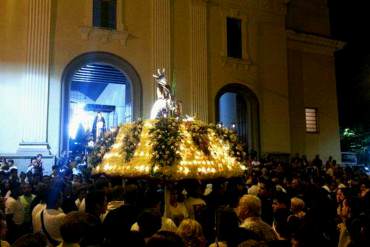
(161, 37)
(36, 82)
(199, 77)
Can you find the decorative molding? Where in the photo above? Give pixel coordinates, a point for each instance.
(89, 32)
(274, 6)
(104, 35)
(161, 37)
(313, 43)
(239, 64)
(245, 61)
(36, 82)
(198, 59)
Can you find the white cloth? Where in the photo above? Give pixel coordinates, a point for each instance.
(15, 208)
(112, 205)
(167, 225)
(191, 203)
(53, 219)
(82, 206)
(179, 210)
(36, 223)
(253, 190)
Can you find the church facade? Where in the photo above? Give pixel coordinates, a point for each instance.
(264, 67)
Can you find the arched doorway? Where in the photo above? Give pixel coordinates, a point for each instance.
(237, 108)
(99, 91)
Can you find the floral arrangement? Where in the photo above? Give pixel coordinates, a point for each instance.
(101, 147)
(166, 138)
(131, 140)
(230, 136)
(199, 135)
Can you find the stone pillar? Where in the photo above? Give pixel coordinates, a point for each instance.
(199, 77)
(36, 80)
(161, 37)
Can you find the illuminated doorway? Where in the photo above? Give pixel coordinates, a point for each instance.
(101, 91)
(237, 108)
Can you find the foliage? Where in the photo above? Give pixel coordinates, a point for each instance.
(199, 135)
(356, 140)
(102, 146)
(230, 136)
(166, 138)
(131, 140)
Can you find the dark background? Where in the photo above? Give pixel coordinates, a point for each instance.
(350, 22)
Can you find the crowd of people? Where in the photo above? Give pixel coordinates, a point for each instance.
(297, 203)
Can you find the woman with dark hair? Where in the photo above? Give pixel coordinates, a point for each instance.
(228, 231)
(350, 213)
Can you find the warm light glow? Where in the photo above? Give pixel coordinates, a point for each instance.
(193, 164)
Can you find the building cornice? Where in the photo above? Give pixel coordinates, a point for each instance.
(277, 7)
(313, 43)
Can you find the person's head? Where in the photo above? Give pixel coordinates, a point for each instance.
(351, 208)
(365, 186)
(55, 195)
(280, 223)
(190, 231)
(149, 221)
(249, 206)
(153, 200)
(341, 194)
(165, 239)
(117, 193)
(280, 200)
(253, 243)
(296, 205)
(193, 188)
(31, 240)
(27, 189)
(13, 171)
(42, 192)
(131, 194)
(34, 161)
(96, 202)
(227, 224)
(295, 184)
(265, 187)
(15, 189)
(39, 157)
(74, 227)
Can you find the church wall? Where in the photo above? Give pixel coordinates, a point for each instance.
(275, 133)
(263, 68)
(312, 84)
(320, 91)
(309, 16)
(13, 21)
(181, 29)
(71, 41)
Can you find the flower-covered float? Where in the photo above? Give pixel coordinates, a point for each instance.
(168, 146)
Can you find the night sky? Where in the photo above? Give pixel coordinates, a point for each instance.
(350, 22)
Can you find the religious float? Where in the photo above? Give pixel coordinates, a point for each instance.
(169, 147)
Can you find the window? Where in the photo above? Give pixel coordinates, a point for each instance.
(234, 37)
(104, 14)
(311, 120)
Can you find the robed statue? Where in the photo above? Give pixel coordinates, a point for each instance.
(165, 105)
